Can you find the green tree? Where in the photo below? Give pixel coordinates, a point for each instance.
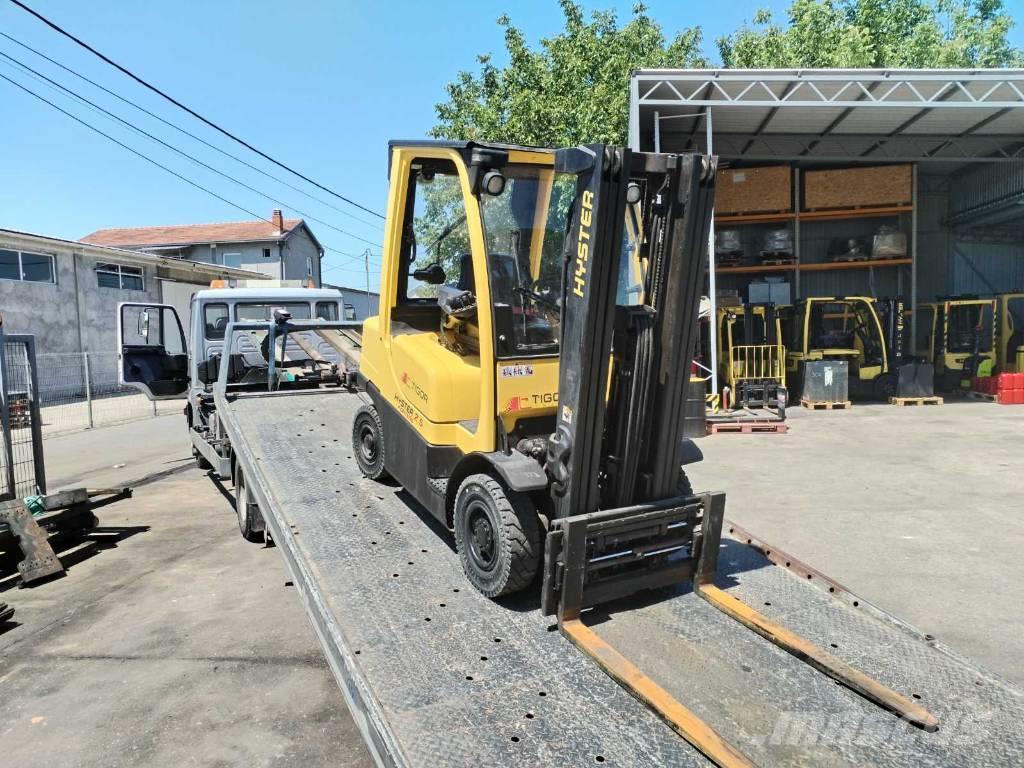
(876, 33)
(572, 89)
(574, 86)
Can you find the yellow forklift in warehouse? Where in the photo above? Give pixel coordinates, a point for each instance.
(751, 357)
(957, 334)
(1010, 337)
(842, 328)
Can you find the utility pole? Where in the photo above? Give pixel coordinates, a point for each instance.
(366, 264)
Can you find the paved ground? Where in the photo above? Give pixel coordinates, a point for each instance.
(122, 454)
(918, 509)
(181, 646)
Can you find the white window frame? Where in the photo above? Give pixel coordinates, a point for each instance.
(21, 267)
(112, 268)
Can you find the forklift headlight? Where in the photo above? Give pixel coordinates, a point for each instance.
(493, 183)
(633, 194)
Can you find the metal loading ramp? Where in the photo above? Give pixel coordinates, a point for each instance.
(437, 675)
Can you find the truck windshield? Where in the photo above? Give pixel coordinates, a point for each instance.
(525, 230)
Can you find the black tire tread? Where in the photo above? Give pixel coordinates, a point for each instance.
(521, 541)
(379, 472)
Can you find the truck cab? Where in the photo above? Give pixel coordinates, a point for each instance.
(158, 357)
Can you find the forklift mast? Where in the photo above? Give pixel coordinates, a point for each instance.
(616, 454)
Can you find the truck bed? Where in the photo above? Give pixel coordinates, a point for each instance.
(437, 675)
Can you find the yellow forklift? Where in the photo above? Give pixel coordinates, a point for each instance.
(957, 334)
(751, 357)
(1010, 336)
(515, 394)
(842, 328)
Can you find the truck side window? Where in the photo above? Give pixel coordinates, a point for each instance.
(215, 321)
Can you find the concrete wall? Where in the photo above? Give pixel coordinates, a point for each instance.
(297, 248)
(74, 314)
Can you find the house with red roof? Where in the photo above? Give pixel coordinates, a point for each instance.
(285, 249)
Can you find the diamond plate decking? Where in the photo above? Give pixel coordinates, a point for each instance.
(437, 675)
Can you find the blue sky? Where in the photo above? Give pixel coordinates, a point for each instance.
(320, 85)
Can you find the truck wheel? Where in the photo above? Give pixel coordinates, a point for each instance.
(368, 443)
(201, 461)
(246, 510)
(496, 535)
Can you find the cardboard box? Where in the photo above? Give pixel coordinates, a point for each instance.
(874, 187)
(754, 190)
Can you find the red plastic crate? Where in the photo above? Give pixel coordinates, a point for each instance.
(1017, 381)
(1004, 382)
(1010, 397)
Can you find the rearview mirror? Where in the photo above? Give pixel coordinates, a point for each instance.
(432, 274)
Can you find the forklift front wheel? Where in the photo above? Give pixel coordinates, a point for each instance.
(497, 536)
(368, 443)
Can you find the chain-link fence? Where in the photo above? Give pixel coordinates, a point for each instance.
(80, 391)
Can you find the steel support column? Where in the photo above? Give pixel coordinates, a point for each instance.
(713, 320)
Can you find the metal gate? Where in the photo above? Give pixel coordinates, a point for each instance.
(22, 470)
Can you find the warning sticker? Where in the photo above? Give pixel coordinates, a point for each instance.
(513, 371)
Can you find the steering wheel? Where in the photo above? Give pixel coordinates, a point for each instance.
(537, 297)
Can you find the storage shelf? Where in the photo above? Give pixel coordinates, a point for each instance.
(830, 265)
(843, 213)
(856, 213)
(754, 269)
(822, 267)
(753, 218)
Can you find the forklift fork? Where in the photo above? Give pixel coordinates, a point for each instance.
(578, 574)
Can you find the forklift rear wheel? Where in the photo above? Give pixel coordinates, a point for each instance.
(246, 510)
(884, 387)
(368, 443)
(497, 536)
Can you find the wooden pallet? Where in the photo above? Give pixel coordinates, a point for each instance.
(934, 400)
(982, 396)
(747, 427)
(848, 259)
(826, 405)
(777, 262)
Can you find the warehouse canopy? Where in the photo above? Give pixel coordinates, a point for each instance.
(857, 115)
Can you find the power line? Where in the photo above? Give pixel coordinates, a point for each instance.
(191, 135)
(192, 112)
(154, 162)
(171, 147)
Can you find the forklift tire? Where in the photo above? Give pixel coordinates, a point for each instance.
(368, 443)
(884, 387)
(201, 461)
(246, 510)
(497, 536)
(684, 487)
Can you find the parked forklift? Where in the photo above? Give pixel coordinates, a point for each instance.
(751, 357)
(1010, 338)
(842, 328)
(958, 335)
